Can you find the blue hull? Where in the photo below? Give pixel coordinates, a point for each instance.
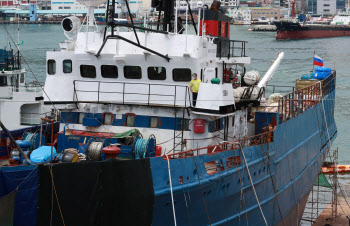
(282, 171)
(296, 156)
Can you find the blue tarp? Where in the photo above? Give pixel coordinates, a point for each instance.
(42, 154)
(322, 72)
(27, 195)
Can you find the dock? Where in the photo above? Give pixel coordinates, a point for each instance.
(341, 218)
(30, 22)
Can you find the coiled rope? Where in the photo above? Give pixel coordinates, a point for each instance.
(141, 148)
(94, 151)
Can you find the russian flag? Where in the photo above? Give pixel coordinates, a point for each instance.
(318, 61)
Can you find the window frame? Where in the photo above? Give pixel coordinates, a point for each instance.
(3, 78)
(86, 65)
(53, 72)
(153, 117)
(81, 117)
(71, 66)
(103, 70)
(159, 79)
(127, 116)
(182, 80)
(127, 76)
(104, 118)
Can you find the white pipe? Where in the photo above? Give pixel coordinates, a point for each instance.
(269, 74)
(91, 16)
(186, 27)
(175, 28)
(199, 20)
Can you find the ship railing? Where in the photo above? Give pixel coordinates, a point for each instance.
(272, 89)
(260, 139)
(299, 101)
(132, 93)
(25, 89)
(230, 48)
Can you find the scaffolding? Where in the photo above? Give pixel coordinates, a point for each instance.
(323, 203)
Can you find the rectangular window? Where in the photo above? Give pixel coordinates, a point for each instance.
(3, 81)
(107, 119)
(67, 66)
(156, 73)
(130, 120)
(88, 71)
(182, 74)
(51, 67)
(109, 71)
(132, 72)
(80, 118)
(22, 78)
(184, 124)
(326, 5)
(153, 122)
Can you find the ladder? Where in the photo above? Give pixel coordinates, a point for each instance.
(179, 134)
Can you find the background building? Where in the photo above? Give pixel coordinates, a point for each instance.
(326, 7)
(240, 13)
(267, 13)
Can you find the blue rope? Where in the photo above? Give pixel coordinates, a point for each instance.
(141, 148)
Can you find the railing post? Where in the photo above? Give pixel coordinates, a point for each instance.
(74, 91)
(244, 48)
(149, 92)
(98, 93)
(123, 91)
(175, 97)
(186, 96)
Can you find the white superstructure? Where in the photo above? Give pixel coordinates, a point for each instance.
(20, 103)
(115, 80)
(341, 19)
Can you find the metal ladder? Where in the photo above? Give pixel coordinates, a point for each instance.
(179, 134)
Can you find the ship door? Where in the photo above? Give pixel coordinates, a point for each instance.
(15, 80)
(209, 74)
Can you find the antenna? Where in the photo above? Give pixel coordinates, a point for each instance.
(91, 4)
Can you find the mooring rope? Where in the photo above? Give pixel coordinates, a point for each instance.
(252, 184)
(171, 190)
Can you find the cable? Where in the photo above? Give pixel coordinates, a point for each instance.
(200, 185)
(58, 203)
(252, 184)
(171, 190)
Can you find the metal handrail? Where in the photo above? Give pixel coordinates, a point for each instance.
(262, 138)
(232, 48)
(298, 101)
(149, 94)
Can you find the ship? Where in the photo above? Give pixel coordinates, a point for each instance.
(21, 101)
(293, 29)
(135, 148)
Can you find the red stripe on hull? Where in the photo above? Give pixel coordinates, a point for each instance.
(311, 34)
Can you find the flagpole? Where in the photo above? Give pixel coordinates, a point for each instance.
(313, 63)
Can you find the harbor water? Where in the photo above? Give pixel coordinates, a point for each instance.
(262, 47)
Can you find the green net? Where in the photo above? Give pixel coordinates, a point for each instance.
(133, 132)
(321, 180)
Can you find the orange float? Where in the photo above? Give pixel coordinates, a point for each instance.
(340, 168)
